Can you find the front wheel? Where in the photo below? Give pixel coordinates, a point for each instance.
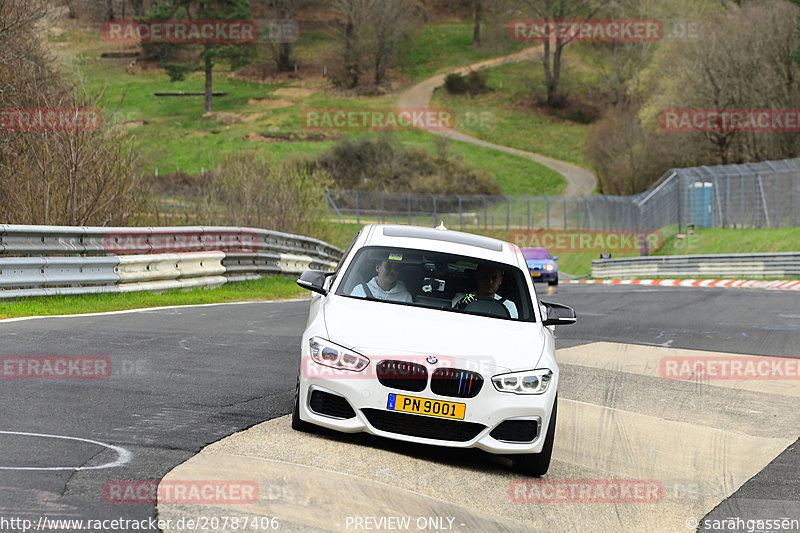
(554, 282)
(537, 464)
(297, 423)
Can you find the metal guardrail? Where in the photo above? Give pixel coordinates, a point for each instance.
(48, 260)
(780, 265)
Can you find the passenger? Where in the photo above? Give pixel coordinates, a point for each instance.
(488, 279)
(385, 285)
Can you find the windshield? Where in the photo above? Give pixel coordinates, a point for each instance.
(452, 283)
(535, 253)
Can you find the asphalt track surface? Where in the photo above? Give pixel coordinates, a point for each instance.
(183, 378)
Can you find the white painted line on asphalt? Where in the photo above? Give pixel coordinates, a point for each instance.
(123, 455)
(144, 309)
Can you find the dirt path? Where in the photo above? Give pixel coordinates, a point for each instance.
(579, 181)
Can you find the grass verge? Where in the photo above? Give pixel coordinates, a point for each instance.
(268, 288)
(721, 240)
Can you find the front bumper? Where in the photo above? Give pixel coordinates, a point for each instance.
(545, 275)
(484, 413)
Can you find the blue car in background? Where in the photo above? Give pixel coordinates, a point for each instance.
(541, 265)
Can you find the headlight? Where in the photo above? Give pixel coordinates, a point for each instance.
(525, 382)
(549, 267)
(329, 354)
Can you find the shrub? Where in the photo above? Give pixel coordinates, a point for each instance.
(455, 84)
(247, 189)
(382, 164)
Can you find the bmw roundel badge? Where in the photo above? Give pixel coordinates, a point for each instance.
(432, 359)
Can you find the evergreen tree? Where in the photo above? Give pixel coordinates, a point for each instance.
(179, 59)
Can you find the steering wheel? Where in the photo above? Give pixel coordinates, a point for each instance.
(487, 306)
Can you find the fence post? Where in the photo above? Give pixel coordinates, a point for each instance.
(794, 199)
(460, 213)
(529, 211)
(547, 209)
(358, 214)
(383, 211)
(777, 195)
(741, 198)
(727, 218)
(408, 207)
(565, 211)
(484, 212)
(434, 211)
(508, 213)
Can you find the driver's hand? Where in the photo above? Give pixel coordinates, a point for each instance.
(466, 300)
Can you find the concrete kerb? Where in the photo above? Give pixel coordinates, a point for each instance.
(785, 285)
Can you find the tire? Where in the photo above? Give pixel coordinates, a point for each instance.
(537, 464)
(297, 423)
(554, 282)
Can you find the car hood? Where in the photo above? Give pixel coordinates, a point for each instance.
(383, 330)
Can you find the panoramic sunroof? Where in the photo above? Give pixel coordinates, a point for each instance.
(443, 235)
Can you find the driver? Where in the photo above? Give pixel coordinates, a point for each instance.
(488, 279)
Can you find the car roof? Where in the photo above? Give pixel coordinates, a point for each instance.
(440, 240)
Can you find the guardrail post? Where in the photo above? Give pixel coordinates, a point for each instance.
(408, 207)
(565, 212)
(508, 212)
(358, 214)
(383, 211)
(434, 211)
(484, 213)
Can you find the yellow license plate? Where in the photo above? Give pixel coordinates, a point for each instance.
(423, 406)
(536, 274)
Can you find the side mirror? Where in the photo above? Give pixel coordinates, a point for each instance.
(314, 280)
(558, 314)
(555, 258)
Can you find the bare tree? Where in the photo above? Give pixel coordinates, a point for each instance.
(391, 21)
(551, 11)
(628, 148)
(477, 11)
(354, 18)
(76, 176)
(751, 71)
(281, 39)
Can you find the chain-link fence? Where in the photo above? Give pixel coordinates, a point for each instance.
(752, 195)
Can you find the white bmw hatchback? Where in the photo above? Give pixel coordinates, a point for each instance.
(436, 337)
